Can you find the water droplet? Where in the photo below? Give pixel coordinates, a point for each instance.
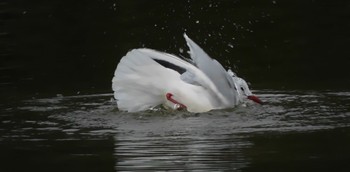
(230, 45)
(181, 50)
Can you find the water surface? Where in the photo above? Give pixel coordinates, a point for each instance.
(57, 59)
(294, 131)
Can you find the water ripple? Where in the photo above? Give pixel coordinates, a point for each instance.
(175, 140)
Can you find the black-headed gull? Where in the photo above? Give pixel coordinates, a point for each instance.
(146, 78)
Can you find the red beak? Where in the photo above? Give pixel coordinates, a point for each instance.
(255, 99)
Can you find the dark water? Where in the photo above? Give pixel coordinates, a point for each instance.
(57, 59)
(295, 131)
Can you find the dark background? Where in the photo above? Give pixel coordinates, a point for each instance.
(73, 47)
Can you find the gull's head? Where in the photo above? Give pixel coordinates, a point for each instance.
(243, 88)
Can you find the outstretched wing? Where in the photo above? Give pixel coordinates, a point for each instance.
(189, 73)
(214, 71)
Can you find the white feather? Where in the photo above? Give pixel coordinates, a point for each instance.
(215, 71)
(140, 83)
(144, 77)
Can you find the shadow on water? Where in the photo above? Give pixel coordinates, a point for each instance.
(293, 131)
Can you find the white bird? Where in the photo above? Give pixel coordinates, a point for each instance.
(146, 78)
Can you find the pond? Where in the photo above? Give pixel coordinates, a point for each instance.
(294, 131)
(57, 111)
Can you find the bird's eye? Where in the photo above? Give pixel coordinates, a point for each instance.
(242, 88)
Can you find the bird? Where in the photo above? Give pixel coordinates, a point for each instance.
(146, 78)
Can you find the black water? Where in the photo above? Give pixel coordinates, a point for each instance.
(57, 111)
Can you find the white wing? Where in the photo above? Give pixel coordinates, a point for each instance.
(214, 71)
(191, 74)
(143, 76)
(132, 79)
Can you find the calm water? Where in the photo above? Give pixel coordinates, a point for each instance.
(294, 131)
(57, 59)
